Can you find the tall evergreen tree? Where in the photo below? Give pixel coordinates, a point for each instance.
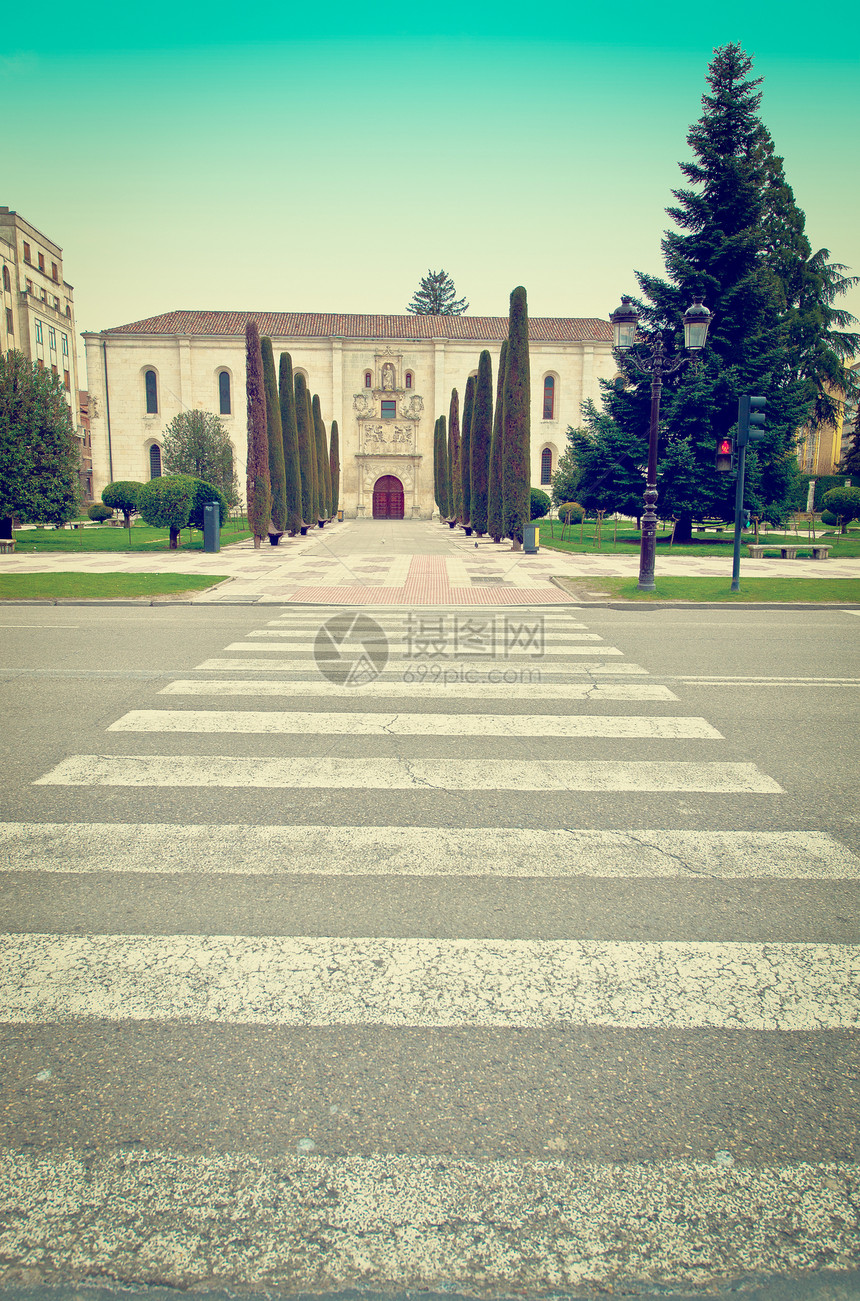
(466, 454)
(315, 468)
(455, 499)
(334, 466)
(307, 449)
(444, 472)
(495, 482)
(322, 461)
(482, 431)
(259, 493)
(39, 457)
(516, 469)
(277, 474)
(436, 296)
(722, 252)
(292, 463)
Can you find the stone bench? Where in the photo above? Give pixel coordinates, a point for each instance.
(6, 545)
(819, 551)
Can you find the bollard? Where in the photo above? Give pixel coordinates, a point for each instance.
(211, 526)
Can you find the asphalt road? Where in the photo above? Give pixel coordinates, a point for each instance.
(665, 1129)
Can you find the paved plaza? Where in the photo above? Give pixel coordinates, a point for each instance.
(404, 563)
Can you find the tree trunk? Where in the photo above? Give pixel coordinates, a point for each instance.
(6, 528)
(684, 528)
(174, 538)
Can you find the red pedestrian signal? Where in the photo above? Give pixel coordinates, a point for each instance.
(725, 455)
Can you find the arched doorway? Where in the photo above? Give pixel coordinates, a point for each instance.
(388, 498)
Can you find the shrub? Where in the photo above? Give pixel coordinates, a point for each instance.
(166, 503)
(99, 512)
(570, 512)
(203, 493)
(122, 495)
(540, 504)
(827, 517)
(844, 502)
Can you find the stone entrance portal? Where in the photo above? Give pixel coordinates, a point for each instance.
(388, 499)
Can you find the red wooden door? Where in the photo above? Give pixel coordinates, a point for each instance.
(388, 500)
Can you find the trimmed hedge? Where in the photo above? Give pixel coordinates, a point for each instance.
(540, 503)
(98, 511)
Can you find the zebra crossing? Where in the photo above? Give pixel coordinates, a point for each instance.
(516, 1033)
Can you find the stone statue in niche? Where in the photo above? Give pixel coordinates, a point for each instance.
(389, 379)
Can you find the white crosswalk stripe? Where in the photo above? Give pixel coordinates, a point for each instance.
(406, 669)
(286, 722)
(425, 687)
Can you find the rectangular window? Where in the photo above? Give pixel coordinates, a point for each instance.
(54, 367)
(68, 310)
(9, 322)
(26, 251)
(39, 332)
(389, 408)
(55, 274)
(41, 261)
(57, 303)
(29, 286)
(52, 338)
(67, 380)
(65, 338)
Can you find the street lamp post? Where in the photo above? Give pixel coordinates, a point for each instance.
(625, 321)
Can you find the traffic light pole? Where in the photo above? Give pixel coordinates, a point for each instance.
(739, 512)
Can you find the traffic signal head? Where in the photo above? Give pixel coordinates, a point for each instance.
(751, 418)
(725, 455)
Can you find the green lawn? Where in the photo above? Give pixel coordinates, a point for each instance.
(626, 540)
(106, 537)
(100, 587)
(719, 589)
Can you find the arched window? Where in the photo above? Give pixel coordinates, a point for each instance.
(409, 379)
(368, 379)
(224, 393)
(7, 283)
(549, 398)
(546, 465)
(155, 461)
(150, 383)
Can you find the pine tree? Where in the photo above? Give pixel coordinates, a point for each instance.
(307, 449)
(466, 454)
(277, 474)
(322, 461)
(455, 498)
(292, 464)
(495, 482)
(482, 431)
(436, 296)
(721, 252)
(608, 466)
(517, 422)
(259, 492)
(334, 467)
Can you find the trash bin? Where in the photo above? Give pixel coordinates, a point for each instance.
(531, 539)
(340, 515)
(211, 526)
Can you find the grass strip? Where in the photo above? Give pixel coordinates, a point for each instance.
(845, 546)
(140, 537)
(100, 587)
(802, 590)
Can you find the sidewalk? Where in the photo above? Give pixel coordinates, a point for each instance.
(401, 563)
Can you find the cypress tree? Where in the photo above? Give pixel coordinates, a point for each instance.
(274, 431)
(437, 466)
(292, 464)
(444, 475)
(315, 469)
(259, 493)
(322, 461)
(516, 422)
(482, 430)
(334, 467)
(307, 450)
(466, 455)
(495, 484)
(455, 497)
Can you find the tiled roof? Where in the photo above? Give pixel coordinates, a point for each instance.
(325, 325)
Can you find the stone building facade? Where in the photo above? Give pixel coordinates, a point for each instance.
(385, 379)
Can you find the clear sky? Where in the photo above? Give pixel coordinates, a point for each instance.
(322, 158)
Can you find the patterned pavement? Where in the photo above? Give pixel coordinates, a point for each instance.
(408, 563)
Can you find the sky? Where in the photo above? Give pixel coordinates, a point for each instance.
(272, 157)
